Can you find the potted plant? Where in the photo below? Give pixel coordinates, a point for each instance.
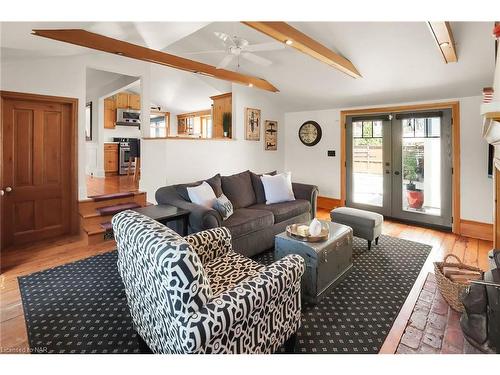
(414, 196)
(226, 123)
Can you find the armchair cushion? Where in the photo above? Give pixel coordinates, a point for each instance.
(211, 243)
(225, 272)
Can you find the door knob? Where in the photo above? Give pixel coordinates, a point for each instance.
(2, 193)
(396, 173)
(8, 189)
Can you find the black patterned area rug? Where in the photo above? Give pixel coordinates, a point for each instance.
(81, 307)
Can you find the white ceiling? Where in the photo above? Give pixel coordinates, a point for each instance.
(399, 61)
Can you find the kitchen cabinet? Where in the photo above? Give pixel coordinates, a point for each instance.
(134, 101)
(221, 104)
(110, 159)
(124, 100)
(109, 113)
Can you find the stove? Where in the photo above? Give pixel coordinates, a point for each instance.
(125, 161)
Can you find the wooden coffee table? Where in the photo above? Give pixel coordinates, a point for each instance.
(164, 213)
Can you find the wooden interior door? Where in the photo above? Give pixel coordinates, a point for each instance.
(38, 196)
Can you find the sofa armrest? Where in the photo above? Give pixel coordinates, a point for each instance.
(277, 281)
(211, 243)
(307, 192)
(200, 217)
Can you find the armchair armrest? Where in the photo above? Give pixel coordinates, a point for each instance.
(211, 243)
(281, 280)
(307, 192)
(200, 217)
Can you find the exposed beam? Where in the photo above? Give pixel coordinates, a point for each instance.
(441, 31)
(118, 47)
(285, 33)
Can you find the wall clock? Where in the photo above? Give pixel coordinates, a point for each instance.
(310, 133)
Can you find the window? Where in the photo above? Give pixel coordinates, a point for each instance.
(159, 123)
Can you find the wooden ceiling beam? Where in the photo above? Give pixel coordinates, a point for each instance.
(443, 36)
(285, 33)
(118, 47)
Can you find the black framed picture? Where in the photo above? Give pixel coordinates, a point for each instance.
(88, 121)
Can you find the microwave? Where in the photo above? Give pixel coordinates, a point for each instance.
(128, 117)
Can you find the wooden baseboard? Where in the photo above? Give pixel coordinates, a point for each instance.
(476, 229)
(328, 203)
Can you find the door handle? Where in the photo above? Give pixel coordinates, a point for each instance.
(2, 193)
(396, 173)
(8, 189)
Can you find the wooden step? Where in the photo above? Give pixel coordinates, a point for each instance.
(94, 218)
(105, 197)
(114, 209)
(95, 234)
(88, 206)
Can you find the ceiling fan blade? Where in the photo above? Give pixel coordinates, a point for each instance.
(256, 59)
(271, 46)
(225, 38)
(225, 61)
(203, 52)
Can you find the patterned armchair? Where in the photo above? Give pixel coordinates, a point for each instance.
(196, 295)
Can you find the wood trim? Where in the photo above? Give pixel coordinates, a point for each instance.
(328, 203)
(221, 96)
(455, 118)
(443, 36)
(283, 32)
(118, 47)
(73, 102)
(204, 112)
(476, 229)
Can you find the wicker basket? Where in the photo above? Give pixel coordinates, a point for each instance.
(452, 291)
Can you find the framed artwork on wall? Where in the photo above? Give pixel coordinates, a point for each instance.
(252, 124)
(271, 135)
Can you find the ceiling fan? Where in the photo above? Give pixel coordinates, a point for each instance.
(236, 47)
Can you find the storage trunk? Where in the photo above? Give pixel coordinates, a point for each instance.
(326, 262)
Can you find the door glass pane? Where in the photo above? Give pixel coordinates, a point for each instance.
(421, 161)
(367, 166)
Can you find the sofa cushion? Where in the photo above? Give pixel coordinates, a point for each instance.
(214, 182)
(245, 220)
(285, 210)
(238, 188)
(225, 272)
(258, 188)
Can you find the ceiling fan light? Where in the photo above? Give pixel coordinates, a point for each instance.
(288, 42)
(444, 44)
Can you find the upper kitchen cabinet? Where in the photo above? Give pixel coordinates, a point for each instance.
(125, 100)
(134, 101)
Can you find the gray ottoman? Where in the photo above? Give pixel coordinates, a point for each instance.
(365, 224)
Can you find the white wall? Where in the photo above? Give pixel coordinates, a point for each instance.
(166, 162)
(66, 76)
(312, 165)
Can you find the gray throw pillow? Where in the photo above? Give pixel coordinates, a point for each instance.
(239, 190)
(223, 206)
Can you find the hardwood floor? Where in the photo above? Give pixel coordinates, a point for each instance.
(111, 184)
(28, 259)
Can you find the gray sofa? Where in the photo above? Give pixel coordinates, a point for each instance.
(253, 224)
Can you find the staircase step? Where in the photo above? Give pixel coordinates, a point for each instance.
(105, 197)
(89, 206)
(112, 210)
(96, 234)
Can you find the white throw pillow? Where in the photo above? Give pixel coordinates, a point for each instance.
(202, 194)
(278, 188)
